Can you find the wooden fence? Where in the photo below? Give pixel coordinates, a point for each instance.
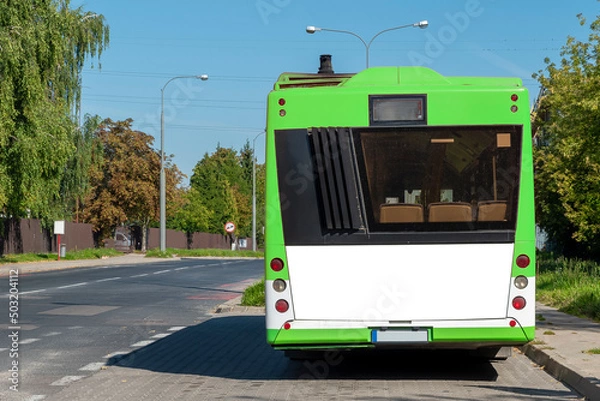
(28, 236)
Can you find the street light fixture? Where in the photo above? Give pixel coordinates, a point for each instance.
(163, 190)
(421, 24)
(254, 192)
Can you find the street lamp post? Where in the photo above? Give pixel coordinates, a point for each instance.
(254, 192)
(163, 190)
(421, 24)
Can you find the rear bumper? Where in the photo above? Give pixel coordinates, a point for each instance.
(399, 337)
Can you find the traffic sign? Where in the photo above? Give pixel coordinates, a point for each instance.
(229, 227)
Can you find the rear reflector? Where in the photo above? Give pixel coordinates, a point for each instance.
(521, 282)
(279, 285)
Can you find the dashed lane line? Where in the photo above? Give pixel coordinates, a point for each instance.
(177, 328)
(66, 380)
(142, 343)
(29, 340)
(31, 292)
(92, 367)
(116, 354)
(73, 285)
(107, 279)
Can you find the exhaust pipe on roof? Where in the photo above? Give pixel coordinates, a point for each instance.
(325, 66)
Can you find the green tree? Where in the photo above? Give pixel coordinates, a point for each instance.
(260, 204)
(126, 186)
(75, 184)
(43, 47)
(192, 215)
(567, 158)
(223, 184)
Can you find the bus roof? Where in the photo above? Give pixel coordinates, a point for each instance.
(386, 76)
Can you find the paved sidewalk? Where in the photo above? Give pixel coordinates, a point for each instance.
(33, 267)
(562, 346)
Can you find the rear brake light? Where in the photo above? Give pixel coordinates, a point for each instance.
(523, 261)
(276, 264)
(282, 306)
(519, 303)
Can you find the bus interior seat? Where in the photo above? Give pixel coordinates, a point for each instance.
(491, 211)
(401, 213)
(450, 212)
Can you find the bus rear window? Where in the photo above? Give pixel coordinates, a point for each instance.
(439, 178)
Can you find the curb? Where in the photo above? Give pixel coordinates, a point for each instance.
(562, 372)
(233, 306)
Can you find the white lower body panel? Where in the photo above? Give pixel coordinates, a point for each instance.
(400, 283)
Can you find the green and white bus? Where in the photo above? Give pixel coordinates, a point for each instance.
(399, 211)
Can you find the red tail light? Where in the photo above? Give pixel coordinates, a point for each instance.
(277, 264)
(282, 306)
(519, 303)
(523, 261)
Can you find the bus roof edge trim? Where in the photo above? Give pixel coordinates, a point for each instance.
(386, 76)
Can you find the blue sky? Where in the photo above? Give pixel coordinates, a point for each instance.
(243, 45)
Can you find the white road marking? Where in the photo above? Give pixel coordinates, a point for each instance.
(161, 335)
(36, 398)
(107, 279)
(73, 285)
(52, 333)
(66, 380)
(162, 271)
(118, 353)
(32, 292)
(142, 343)
(139, 275)
(182, 268)
(177, 328)
(92, 367)
(29, 341)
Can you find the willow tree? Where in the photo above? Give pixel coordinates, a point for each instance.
(43, 47)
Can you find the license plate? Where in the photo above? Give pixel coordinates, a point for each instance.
(399, 336)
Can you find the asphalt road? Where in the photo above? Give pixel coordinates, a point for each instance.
(145, 332)
(71, 322)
